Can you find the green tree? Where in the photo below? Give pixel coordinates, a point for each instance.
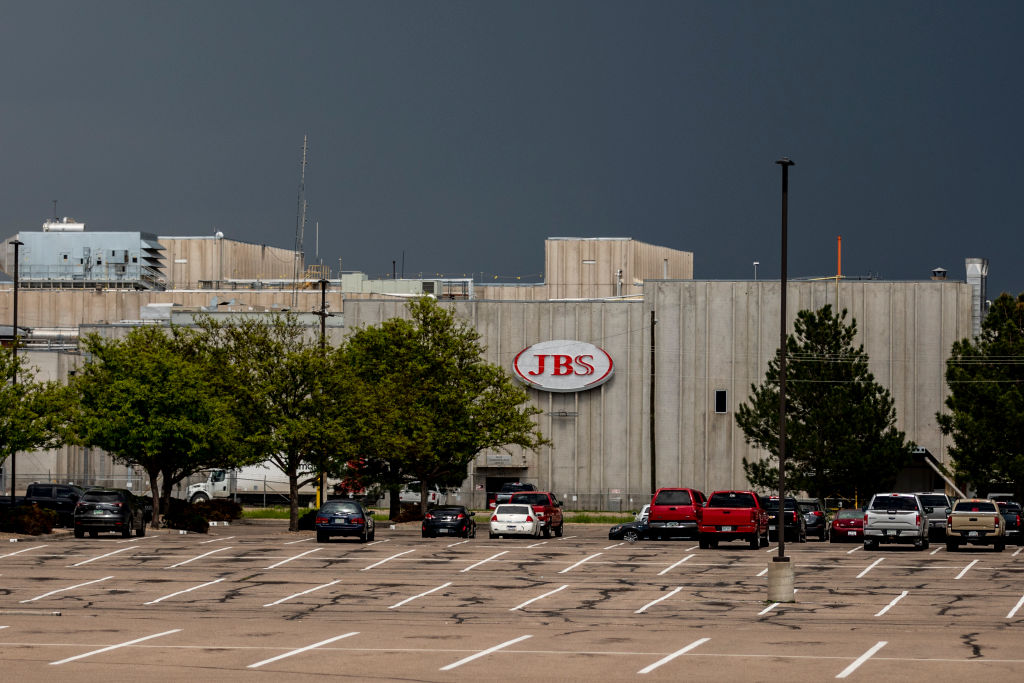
(841, 438)
(986, 401)
(293, 397)
(435, 404)
(147, 400)
(31, 412)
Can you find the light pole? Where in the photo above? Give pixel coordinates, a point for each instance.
(14, 358)
(756, 264)
(780, 571)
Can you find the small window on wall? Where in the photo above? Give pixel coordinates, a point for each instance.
(721, 401)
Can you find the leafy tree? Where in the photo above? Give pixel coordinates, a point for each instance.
(292, 396)
(30, 411)
(434, 403)
(986, 401)
(841, 437)
(147, 400)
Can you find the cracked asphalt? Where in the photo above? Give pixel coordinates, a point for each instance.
(251, 601)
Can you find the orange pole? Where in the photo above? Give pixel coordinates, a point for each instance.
(839, 256)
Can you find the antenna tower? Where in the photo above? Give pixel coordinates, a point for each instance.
(300, 226)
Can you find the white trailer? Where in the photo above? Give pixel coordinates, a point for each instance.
(262, 485)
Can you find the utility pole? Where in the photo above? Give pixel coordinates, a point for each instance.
(300, 227)
(323, 314)
(14, 358)
(654, 458)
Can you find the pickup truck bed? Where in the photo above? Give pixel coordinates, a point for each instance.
(731, 515)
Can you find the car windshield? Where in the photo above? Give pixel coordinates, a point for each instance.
(513, 510)
(773, 504)
(102, 497)
(849, 514)
(974, 507)
(449, 512)
(809, 507)
(935, 501)
(673, 498)
(531, 498)
(731, 499)
(1009, 507)
(894, 503)
(340, 508)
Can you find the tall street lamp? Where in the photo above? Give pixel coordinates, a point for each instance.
(14, 356)
(780, 571)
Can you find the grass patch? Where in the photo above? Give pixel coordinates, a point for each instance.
(268, 513)
(596, 518)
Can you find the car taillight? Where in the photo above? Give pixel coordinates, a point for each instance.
(321, 520)
(917, 519)
(1018, 520)
(461, 516)
(865, 518)
(949, 520)
(529, 518)
(995, 521)
(819, 513)
(494, 518)
(117, 505)
(428, 516)
(356, 520)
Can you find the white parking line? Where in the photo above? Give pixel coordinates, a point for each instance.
(61, 590)
(536, 544)
(612, 546)
(187, 590)
(303, 649)
(655, 602)
(691, 548)
(308, 552)
(301, 540)
(295, 595)
(377, 564)
(19, 552)
(539, 597)
(854, 549)
(432, 590)
(218, 550)
(383, 540)
(965, 569)
(483, 561)
(772, 606)
(452, 545)
(567, 569)
(863, 658)
(214, 540)
(115, 552)
(892, 604)
(936, 550)
(1017, 552)
(763, 572)
(870, 567)
(136, 539)
(669, 658)
(667, 570)
(114, 647)
(1016, 607)
(484, 653)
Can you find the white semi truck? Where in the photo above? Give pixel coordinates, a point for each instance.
(262, 485)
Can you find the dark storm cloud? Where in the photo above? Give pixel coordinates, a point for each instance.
(464, 133)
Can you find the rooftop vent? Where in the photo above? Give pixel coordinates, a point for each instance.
(939, 274)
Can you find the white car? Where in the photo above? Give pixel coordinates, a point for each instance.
(515, 520)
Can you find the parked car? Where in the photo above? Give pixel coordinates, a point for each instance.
(975, 521)
(815, 519)
(497, 498)
(938, 502)
(451, 520)
(61, 498)
(344, 518)
(515, 520)
(103, 509)
(673, 512)
(847, 525)
(411, 494)
(895, 518)
(1012, 514)
(796, 528)
(630, 531)
(733, 515)
(546, 507)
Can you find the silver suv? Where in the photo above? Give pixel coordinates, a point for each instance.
(938, 502)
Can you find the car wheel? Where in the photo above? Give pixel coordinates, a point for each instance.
(1000, 547)
(870, 544)
(126, 532)
(423, 534)
(951, 546)
(755, 542)
(713, 543)
(702, 542)
(93, 534)
(472, 532)
(764, 541)
(631, 536)
(920, 544)
(79, 533)
(199, 498)
(547, 531)
(373, 532)
(493, 535)
(142, 530)
(363, 537)
(560, 529)
(321, 537)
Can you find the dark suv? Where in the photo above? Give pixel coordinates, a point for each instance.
(796, 527)
(815, 520)
(109, 510)
(61, 498)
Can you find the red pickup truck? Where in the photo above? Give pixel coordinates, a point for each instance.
(547, 508)
(730, 515)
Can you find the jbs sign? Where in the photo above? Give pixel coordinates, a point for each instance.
(563, 365)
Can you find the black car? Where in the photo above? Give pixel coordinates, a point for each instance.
(115, 510)
(344, 518)
(1011, 512)
(451, 520)
(630, 531)
(796, 527)
(815, 519)
(61, 498)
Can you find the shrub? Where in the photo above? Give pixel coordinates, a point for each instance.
(188, 520)
(218, 510)
(307, 521)
(29, 519)
(410, 512)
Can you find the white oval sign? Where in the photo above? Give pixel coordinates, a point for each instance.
(563, 365)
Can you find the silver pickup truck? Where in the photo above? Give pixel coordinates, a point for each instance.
(896, 518)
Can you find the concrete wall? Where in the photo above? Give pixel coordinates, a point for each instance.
(190, 260)
(588, 267)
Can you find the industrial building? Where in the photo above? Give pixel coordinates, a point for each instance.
(709, 340)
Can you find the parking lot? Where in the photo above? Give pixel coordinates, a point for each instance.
(251, 600)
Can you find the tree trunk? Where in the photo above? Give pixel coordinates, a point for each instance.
(395, 504)
(154, 493)
(424, 503)
(165, 497)
(293, 495)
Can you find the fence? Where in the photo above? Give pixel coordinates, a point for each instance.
(136, 483)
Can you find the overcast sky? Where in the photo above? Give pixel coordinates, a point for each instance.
(461, 134)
